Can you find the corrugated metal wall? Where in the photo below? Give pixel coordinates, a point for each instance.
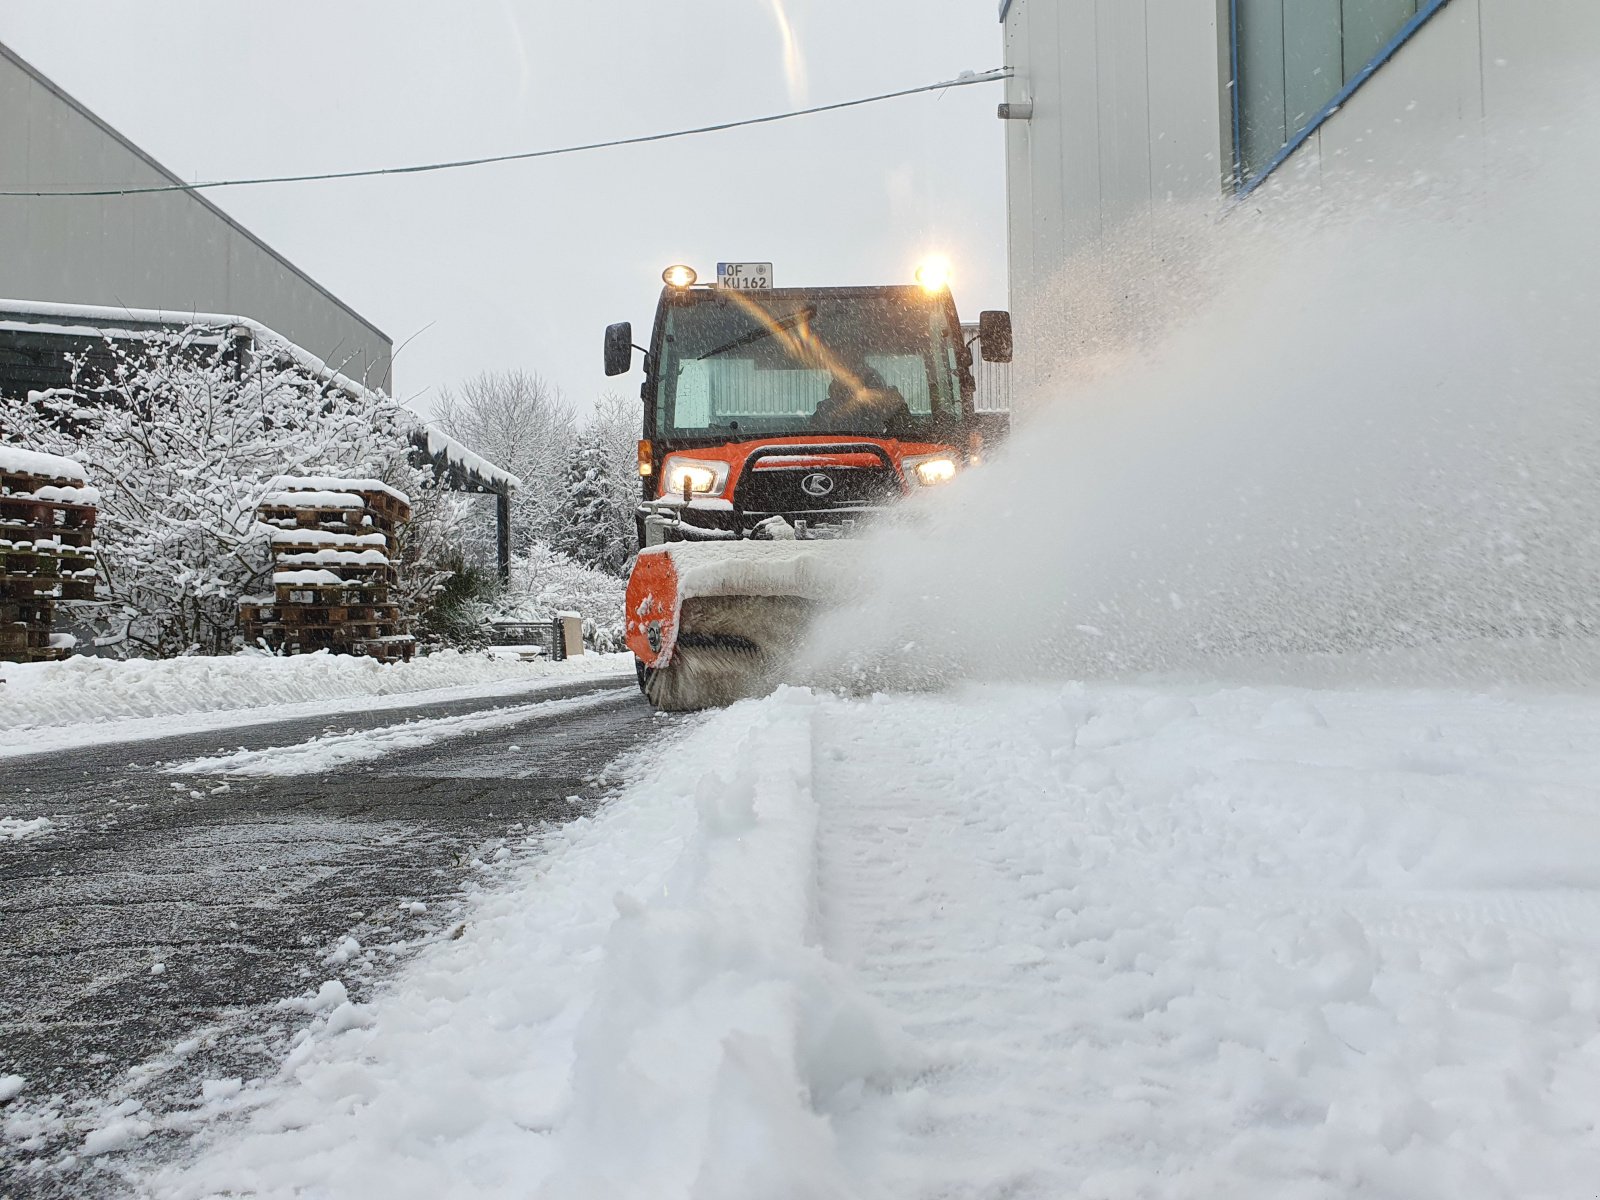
(172, 251)
(993, 379)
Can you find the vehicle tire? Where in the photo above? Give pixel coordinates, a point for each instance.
(642, 674)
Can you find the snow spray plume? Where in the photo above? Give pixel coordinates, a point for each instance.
(1356, 419)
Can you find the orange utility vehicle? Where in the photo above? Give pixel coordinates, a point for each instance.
(779, 415)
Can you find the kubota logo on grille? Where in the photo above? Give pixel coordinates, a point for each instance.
(817, 484)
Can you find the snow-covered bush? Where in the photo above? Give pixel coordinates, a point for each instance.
(544, 583)
(183, 441)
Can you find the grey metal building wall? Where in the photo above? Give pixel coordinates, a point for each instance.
(173, 251)
(1132, 113)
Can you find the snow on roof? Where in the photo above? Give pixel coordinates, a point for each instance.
(458, 455)
(51, 315)
(328, 483)
(59, 318)
(48, 466)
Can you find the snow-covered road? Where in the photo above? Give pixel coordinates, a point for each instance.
(163, 937)
(1100, 941)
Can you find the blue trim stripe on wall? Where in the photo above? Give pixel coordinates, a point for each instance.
(1425, 12)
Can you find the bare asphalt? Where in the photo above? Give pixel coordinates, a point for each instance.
(147, 940)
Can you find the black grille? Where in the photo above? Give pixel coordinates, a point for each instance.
(815, 489)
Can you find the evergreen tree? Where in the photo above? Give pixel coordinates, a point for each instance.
(590, 535)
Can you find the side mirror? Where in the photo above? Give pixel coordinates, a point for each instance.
(994, 336)
(619, 348)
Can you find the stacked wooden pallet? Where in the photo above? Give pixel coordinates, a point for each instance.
(334, 553)
(47, 515)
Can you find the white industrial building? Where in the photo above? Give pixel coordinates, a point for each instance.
(171, 254)
(1120, 109)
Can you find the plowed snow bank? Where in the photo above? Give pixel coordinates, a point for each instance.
(84, 700)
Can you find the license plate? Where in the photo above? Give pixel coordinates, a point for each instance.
(745, 277)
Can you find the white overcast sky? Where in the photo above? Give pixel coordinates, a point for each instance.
(522, 265)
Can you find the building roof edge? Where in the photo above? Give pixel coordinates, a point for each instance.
(128, 144)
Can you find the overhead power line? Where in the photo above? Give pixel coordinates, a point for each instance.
(966, 79)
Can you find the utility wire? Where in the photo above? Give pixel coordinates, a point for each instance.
(964, 80)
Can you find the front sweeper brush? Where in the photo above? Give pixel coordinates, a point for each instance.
(712, 623)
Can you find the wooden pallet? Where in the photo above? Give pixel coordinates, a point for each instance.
(45, 557)
(308, 542)
(18, 531)
(77, 589)
(353, 616)
(18, 481)
(295, 595)
(29, 511)
(39, 611)
(30, 563)
(17, 636)
(324, 614)
(332, 520)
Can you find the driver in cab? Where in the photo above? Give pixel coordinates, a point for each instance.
(860, 401)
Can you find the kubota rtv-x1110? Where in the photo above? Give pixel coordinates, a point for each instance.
(776, 420)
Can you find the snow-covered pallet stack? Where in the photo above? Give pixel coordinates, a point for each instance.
(47, 514)
(334, 554)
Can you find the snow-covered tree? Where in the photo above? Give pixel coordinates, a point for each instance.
(183, 442)
(517, 421)
(614, 430)
(590, 535)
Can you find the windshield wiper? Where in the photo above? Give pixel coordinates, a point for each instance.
(764, 331)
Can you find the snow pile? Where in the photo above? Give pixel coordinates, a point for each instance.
(337, 558)
(51, 494)
(295, 484)
(93, 691)
(46, 466)
(645, 1015)
(313, 500)
(313, 578)
(15, 829)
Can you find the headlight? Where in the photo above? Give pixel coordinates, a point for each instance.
(933, 470)
(701, 477)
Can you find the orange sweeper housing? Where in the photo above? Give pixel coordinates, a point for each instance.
(776, 422)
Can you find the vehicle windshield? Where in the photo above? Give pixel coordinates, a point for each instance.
(795, 362)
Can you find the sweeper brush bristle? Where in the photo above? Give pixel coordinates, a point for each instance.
(729, 648)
